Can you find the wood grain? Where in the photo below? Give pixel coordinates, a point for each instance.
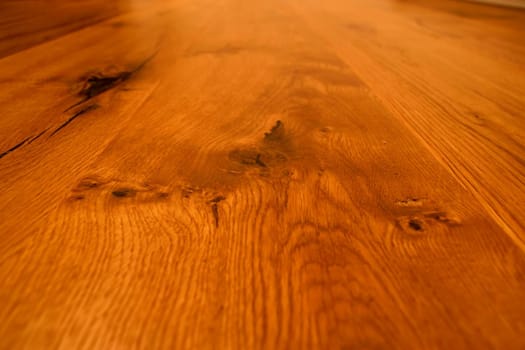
(265, 175)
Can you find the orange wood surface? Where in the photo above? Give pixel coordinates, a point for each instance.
(279, 174)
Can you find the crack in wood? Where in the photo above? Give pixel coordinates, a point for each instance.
(37, 136)
(26, 141)
(14, 148)
(215, 208)
(73, 117)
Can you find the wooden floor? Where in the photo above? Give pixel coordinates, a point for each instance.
(277, 174)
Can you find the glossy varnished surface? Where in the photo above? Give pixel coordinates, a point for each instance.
(335, 174)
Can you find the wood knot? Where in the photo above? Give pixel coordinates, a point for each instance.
(217, 199)
(415, 224)
(411, 202)
(276, 132)
(123, 192)
(420, 222)
(88, 183)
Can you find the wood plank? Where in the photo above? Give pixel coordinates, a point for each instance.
(469, 88)
(26, 23)
(232, 175)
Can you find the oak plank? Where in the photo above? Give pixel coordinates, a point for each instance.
(470, 92)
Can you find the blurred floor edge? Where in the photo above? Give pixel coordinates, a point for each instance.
(511, 3)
